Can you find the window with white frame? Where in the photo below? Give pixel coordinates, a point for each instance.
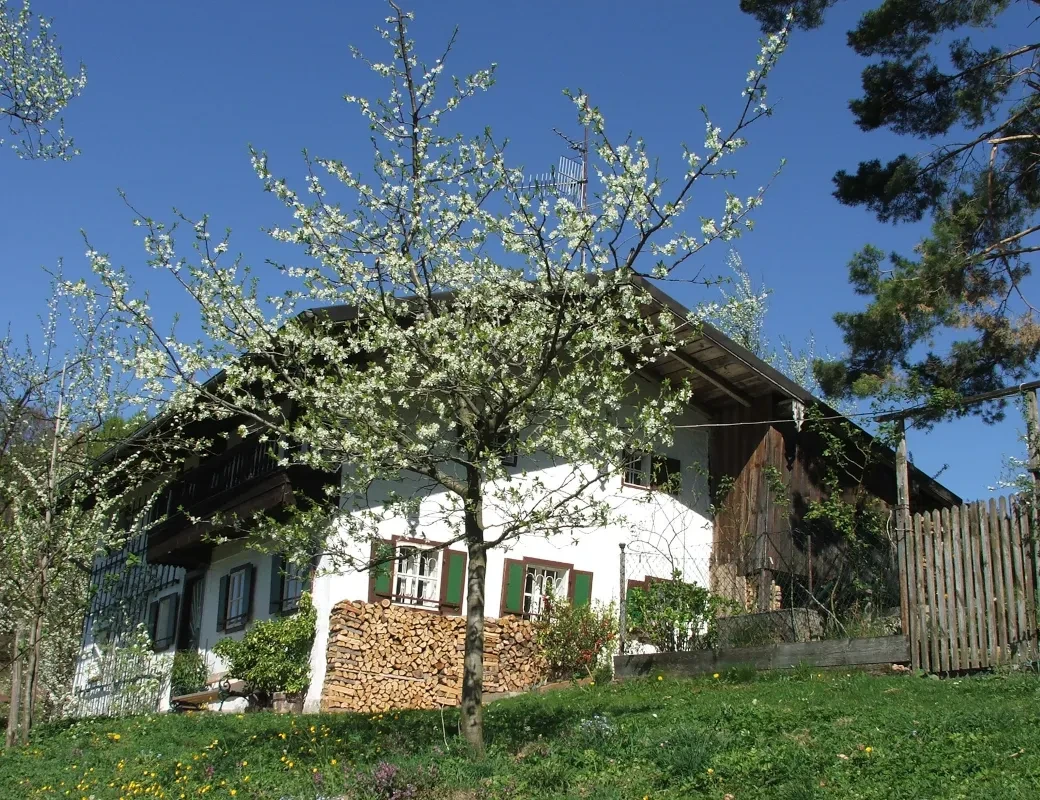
(417, 572)
(163, 621)
(294, 580)
(237, 600)
(636, 473)
(541, 583)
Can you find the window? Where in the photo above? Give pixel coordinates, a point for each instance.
(635, 475)
(293, 583)
(191, 613)
(541, 583)
(653, 472)
(528, 583)
(288, 583)
(667, 474)
(236, 599)
(417, 576)
(163, 621)
(236, 602)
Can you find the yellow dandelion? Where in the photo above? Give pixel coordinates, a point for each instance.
(333, 762)
(715, 676)
(660, 677)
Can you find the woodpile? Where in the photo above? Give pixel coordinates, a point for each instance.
(382, 656)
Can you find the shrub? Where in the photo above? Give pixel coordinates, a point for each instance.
(189, 672)
(274, 655)
(574, 638)
(674, 616)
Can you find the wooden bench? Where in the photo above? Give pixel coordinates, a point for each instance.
(196, 701)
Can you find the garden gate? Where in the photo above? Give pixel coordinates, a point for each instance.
(969, 585)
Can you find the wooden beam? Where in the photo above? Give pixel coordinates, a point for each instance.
(653, 378)
(1033, 433)
(829, 653)
(903, 524)
(713, 378)
(996, 394)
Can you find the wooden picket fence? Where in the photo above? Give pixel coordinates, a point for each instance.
(970, 575)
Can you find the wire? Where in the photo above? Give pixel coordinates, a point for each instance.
(870, 414)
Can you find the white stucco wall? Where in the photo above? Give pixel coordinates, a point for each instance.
(665, 531)
(660, 532)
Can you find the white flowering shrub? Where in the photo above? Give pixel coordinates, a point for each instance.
(34, 84)
(442, 318)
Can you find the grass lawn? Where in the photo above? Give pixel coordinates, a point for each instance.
(802, 735)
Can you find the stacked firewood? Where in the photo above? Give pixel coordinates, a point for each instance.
(382, 656)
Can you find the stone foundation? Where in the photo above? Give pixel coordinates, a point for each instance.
(382, 656)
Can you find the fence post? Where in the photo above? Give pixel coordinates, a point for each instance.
(1032, 545)
(903, 524)
(622, 605)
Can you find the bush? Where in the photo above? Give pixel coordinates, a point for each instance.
(674, 616)
(189, 672)
(274, 655)
(574, 638)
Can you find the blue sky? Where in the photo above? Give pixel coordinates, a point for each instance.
(177, 91)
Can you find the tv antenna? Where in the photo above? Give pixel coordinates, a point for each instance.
(570, 178)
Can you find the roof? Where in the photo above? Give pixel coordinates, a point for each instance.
(720, 371)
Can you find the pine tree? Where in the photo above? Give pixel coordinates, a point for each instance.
(977, 180)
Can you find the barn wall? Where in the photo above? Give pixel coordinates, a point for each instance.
(758, 535)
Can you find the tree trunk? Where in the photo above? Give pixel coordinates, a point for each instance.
(16, 688)
(33, 670)
(473, 662)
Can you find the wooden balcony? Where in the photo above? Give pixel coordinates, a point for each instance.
(241, 482)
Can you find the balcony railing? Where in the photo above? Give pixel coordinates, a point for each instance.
(237, 466)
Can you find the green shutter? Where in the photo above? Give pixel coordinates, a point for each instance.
(222, 604)
(381, 569)
(580, 588)
(169, 633)
(513, 591)
(250, 574)
(153, 621)
(454, 578)
(277, 565)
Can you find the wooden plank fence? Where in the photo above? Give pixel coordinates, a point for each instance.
(970, 576)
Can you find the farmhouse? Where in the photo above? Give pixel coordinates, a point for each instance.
(707, 509)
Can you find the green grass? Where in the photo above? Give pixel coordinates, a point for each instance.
(796, 737)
